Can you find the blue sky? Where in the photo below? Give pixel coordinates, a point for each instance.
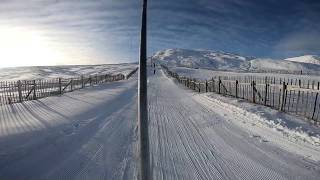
(107, 31)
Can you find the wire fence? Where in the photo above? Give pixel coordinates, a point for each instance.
(286, 95)
(20, 91)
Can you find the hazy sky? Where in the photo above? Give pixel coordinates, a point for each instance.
(48, 32)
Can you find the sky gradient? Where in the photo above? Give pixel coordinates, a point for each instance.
(107, 31)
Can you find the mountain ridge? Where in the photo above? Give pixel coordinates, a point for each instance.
(219, 60)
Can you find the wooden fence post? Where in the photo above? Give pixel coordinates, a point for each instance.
(199, 86)
(253, 83)
(213, 90)
(60, 86)
(194, 85)
(19, 91)
(266, 91)
(315, 106)
(82, 82)
(284, 88)
(299, 83)
(34, 90)
(237, 84)
(219, 85)
(206, 86)
(71, 84)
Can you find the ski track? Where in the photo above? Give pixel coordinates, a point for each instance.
(191, 140)
(87, 134)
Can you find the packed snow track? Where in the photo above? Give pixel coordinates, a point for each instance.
(194, 140)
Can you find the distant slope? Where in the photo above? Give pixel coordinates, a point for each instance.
(201, 59)
(71, 71)
(311, 59)
(272, 65)
(217, 60)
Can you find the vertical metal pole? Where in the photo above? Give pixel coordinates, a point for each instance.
(143, 109)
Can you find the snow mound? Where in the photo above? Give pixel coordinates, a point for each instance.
(311, 59)
(218, 60)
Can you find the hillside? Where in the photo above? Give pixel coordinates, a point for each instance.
(71, 71)
(218, 60)
(311, 59)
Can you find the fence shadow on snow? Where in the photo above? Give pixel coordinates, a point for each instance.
(286, 95)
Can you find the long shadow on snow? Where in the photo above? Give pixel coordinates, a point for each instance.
(57, 145)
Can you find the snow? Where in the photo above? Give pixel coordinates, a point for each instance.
(223, 61)
(312, 59)
(196, 136)
(92, 134)
(200, 59)
(72, 71)
(205, 74)
(86, 134)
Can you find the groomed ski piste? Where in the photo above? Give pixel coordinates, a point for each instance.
(92, 134)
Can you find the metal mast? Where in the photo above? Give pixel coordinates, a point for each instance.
(142, 95)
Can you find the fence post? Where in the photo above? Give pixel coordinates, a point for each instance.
(34, 90)
(237, 84)
(90, 80)
(60, 86)
(82, 83)
(266, 92)
(253, 83)
(199, 86)
(206, 86)
(71, 84)
(299, 83)
(19, 91)
(194, 85)
(315, 106)
(213, 85)
(318, 86)
(284, 88)
(219, 85)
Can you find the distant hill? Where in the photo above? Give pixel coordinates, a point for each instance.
(306, 59)
(218, 60)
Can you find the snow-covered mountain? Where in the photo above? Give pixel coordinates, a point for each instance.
(201, 59)
(312, 59)
(217, 60)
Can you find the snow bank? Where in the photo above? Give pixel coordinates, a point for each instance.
(267, 124)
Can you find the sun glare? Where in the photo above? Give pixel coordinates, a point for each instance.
(25, 47)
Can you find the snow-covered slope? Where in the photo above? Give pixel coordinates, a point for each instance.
(48, 72)
(201, 59)
(272, 65)
(217, 60)
(306, 59)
